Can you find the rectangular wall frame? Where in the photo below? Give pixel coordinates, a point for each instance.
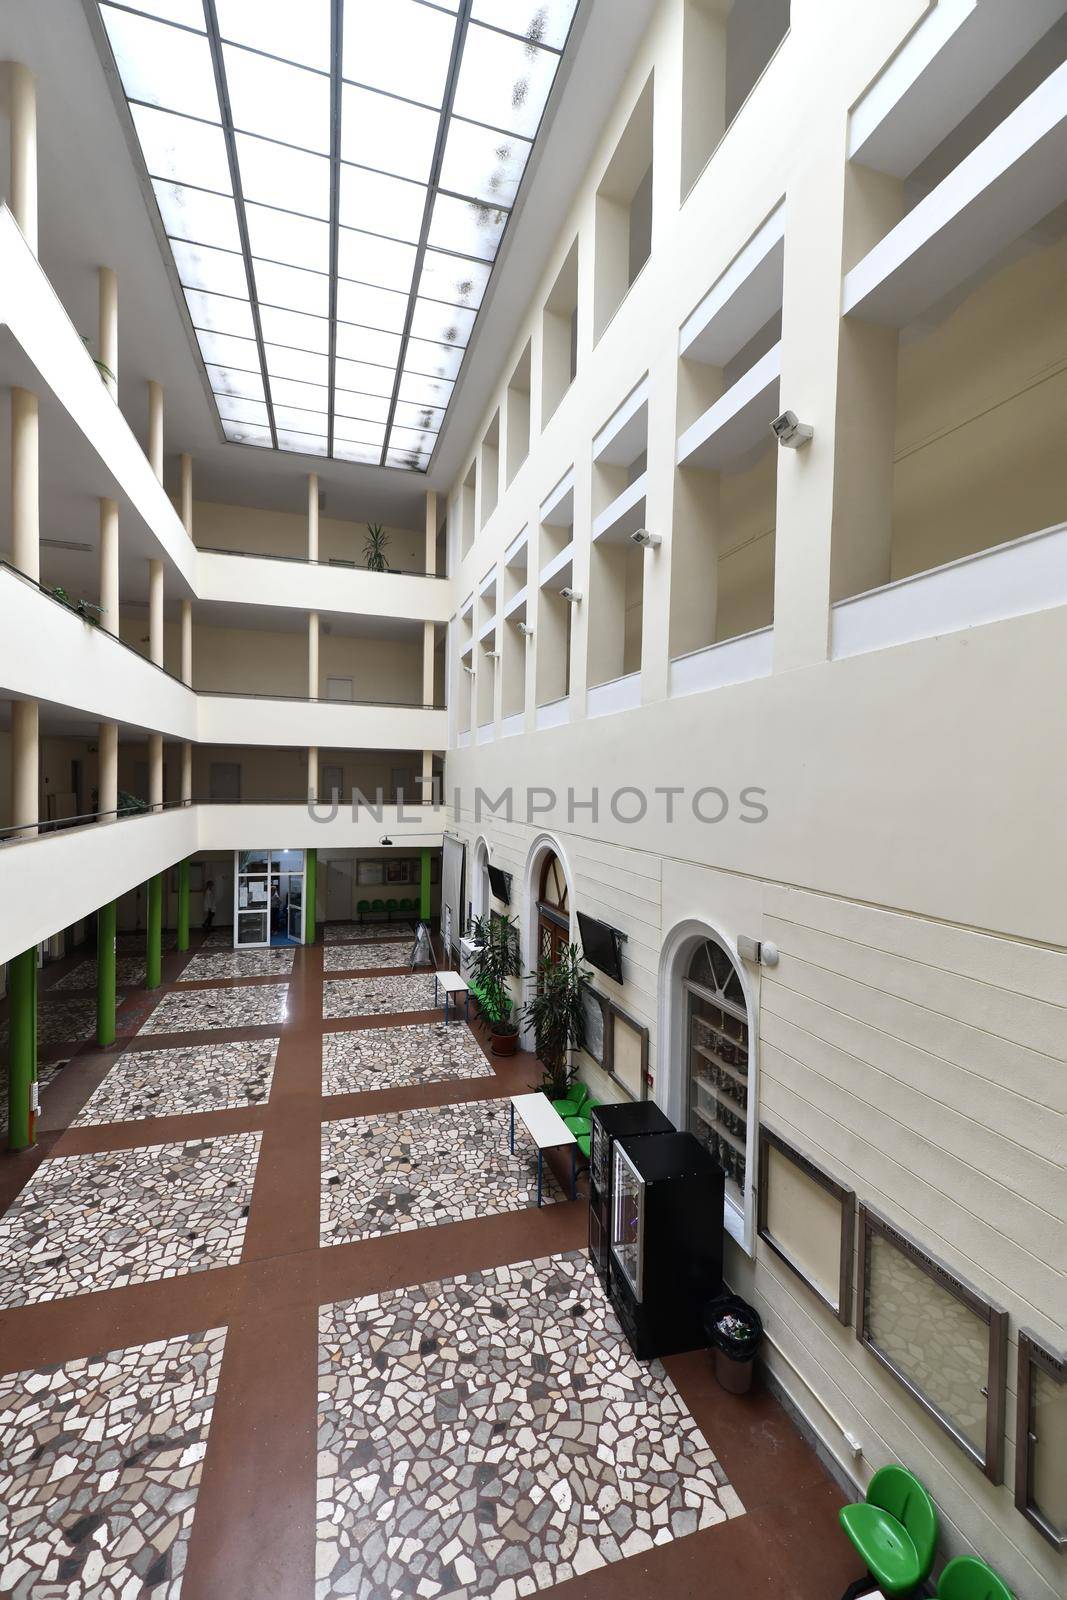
(796, 1252)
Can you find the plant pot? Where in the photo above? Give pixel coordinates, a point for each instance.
(734, 1376)
(504, 1044)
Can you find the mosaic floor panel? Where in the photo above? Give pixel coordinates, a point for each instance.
(239, 964)
(353, 932)
(386, 1058)
(492, 1435)
(101, 1463)
(129, 974)
(422, 1168)
(366, 953)
(190, 1010)
(132, 942)
(105, 1220)
(368, 997)
(183, 1082)
(219, 938)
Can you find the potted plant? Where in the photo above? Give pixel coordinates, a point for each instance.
(494, 962)
(555, 1012)
(374, 547)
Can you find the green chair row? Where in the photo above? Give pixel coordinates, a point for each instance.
(895, 1532)
(576, 1110)
(376, 909)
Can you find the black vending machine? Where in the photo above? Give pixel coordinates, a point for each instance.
(608, 1123)
(666, 1240)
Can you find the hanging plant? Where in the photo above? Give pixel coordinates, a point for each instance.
(374, 548)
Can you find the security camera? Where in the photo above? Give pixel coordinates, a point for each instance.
(650, 541)
(467, 669)
(524, 628)
(492, 655)
(573, 595)
(790, 431)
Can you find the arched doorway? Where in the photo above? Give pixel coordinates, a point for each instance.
(479, 885)
(553, 909)
(716, 1055)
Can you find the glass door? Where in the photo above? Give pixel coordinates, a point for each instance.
(296, 908)
(627, 1219)
(251, 899)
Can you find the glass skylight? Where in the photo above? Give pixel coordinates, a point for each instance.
(335, 178)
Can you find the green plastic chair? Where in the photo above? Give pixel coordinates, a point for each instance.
(967, 1578)
(583, 1144)
(377, 908)
(574, 1104)
(363, 906)
(894, 1530)
(390, 907)
(578, 1125)
(406, 907)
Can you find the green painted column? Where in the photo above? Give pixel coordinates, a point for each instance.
(311, 863)
(22, 1035)
(154, 946)
(183, 905)
(424, 886)
(105, 974)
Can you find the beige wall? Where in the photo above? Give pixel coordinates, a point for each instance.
(284, 533)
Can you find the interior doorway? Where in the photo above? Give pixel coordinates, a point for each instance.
(268, 905)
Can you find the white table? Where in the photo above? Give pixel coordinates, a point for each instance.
(548, 1131)
(451, 983)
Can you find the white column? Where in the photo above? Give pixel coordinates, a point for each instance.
(108, 769)
(187, 493)
(187, 773)
(313, 772)
(25, 486)
(427, 777)
(109, 328)
(187, 642)
(430, 558)
(23, 93)
(155, 427)
(313, 655)
(109, 565)
(25, 764)
(155, 770)
(155, 612)
(313, 516)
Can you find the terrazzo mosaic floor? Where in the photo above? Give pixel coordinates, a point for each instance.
(218, 938)
(184, 1082)
(353, 932)
(368, 997)
(422, 1168)
(101, 1221)
(492, 1434)
(63, 1021)
(101, 1467)
(129, 974)
(387, 1058)
(366, 954)
(219, 964)
(193, 1010)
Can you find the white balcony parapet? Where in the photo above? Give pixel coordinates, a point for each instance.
(621, 694)
(510, 726)
(1010, 580)
(731, 661)
(487, 629)
(231, 577)
(517, 551)
(556, 574)
(554, 714)
(624, 436)
(515, 608)
(741, 300)
(624, 515)
(488, 582)
(739, 419)
(1007, 184)
(557, 508)
(463, 738)
(235, 719)
(485, 733)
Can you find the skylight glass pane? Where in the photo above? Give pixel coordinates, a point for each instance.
(308, 444)
(363, 378)
(295, 329)
(247, 433)
(293, 417)
(226, 351)
(538, 21)
(222, 271)
(411, 439)
(410, 460)
(457, 281)
(187, 152)
(378, 131)
(161, 65)
(300, 364)
(359, 432)
(367, 344)
(503, 81)
(375, 308)
(435, 360)
(365, 407)
(193, 214)
(281, 236)
(420, 390)
(290, 287)
(448, 324)
(188, 12)
(370, 259)
(483, 164)
(308, 396)
(278, 176)
(217, 314)
(234, 409)
(467, 226)
(229, 380)
(399, 46)
(421, 417)
(295, 32)
(366, 454)
(278, 101)
(391, 205)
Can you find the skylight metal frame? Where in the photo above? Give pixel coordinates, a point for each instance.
(410, 427)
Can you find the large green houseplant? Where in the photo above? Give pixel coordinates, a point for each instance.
(375, 546)
(555, 1013)
(494, 960)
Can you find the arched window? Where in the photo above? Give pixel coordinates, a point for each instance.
(553, 910)
(717, 1047)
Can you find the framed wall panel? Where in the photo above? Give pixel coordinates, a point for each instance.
(937, 1335)
(1041, 1439)
(808, 1219)
(617, 1042)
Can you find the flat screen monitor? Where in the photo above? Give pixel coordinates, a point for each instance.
(600, 944)
(500, 883)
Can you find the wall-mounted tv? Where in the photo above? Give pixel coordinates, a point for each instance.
(500, 883)
(600, 944)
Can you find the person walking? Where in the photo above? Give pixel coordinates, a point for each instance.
(209, 903)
